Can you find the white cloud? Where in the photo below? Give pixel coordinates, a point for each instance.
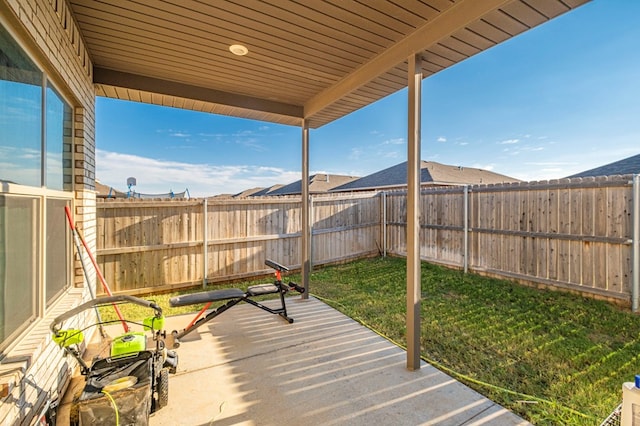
(550, 163)
(488, 167)
(180, 135)
(542, 170)
(394, 141)
(212, 135)
(442, 139)
(509, 142)
(158, 176)
(355, 154)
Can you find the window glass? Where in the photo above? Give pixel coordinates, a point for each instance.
(35, 151)
(57, 244)
(18, 263)
(20, 115)
(58, 141)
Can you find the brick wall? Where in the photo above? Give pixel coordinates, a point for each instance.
(34, 368)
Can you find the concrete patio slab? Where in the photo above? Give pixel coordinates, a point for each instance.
(247, 367)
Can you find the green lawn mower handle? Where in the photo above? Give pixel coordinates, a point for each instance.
(155, 323)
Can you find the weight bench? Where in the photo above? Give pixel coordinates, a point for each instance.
(233, 296)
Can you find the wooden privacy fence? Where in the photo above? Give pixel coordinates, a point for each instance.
(573, 233)
(146, 246)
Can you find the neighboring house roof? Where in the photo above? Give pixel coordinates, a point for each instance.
(105, 191)
(249, 192)
(431, 172)
(627, 166)
(267, 191)
(317, 183)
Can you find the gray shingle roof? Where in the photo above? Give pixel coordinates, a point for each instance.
(627, 166)
(249, 192)
(431, 172)
(105, 191)
(267, 191)
(317, 183)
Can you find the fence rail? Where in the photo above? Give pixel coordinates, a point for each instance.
(574, 234)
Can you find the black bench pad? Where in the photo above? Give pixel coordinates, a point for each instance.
(260, 289)
(206, 296)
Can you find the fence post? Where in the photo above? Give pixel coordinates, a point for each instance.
(466, 228)
(384, 224)
(205, 244)
(635, 244)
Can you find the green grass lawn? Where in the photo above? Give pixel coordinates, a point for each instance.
(553, 358)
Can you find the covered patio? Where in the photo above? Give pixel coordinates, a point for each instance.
(304, 64)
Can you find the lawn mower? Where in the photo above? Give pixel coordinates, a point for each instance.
(130, 383)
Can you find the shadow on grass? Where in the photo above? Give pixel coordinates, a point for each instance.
(552, 357)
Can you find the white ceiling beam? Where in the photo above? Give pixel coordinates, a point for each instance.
(182, 90)
(448, 22)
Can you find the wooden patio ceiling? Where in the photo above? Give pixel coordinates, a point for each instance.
(308, 59)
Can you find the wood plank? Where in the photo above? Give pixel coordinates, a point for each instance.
(553, 220)
(575, 263)
(565, 216)
(601, 213)
(564, 261)
(618, 212)
(552, 260)
(600, 265)
(615, 268)
(588, 210)
(588, 257)
(576, 212)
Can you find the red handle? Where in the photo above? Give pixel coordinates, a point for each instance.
(95, 265)
(68, 213)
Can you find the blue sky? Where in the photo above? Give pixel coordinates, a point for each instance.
(558, 99)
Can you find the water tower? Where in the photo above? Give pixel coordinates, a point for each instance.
(131, 181)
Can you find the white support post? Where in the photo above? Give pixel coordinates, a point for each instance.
(413, 214)
(312, 221)
(304, 200)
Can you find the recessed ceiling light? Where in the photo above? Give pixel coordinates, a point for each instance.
(238, 49)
